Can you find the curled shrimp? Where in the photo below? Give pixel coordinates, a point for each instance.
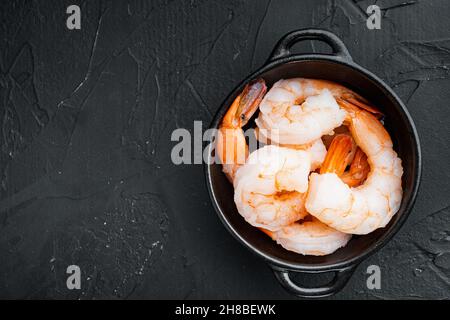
(371, 205)
(316, 149)
(309, 237)
(231, 146)
(299, 111)
(317, 152)
(269, 189)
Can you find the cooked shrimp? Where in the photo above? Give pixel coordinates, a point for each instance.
(231, 146)
(269, 189)
(362, 209)
(316, 149)
(299, 111)
(309, 238)
(317, 152)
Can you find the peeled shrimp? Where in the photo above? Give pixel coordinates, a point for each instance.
(316, 149)
(231, 146)
(269, 189)
(362, 209)
(317, 152)
(309, 238)
(299, 111)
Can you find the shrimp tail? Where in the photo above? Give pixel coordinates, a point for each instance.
(359, 170)
(269, 233)
(338, 155)
(352, 104)
(251, 97)
(231, 145)
(245, 104)
(361, 103)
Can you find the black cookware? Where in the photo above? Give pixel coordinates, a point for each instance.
(339, 67)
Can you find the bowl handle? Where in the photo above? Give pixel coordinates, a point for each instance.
(341, 277)
(283, 47)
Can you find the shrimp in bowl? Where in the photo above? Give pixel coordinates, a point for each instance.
(269, 189)
(300, 111)
(362, 209)
(309, 188)
(309, 237)
(231, 146)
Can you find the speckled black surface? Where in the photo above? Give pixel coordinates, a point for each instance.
(86, 118)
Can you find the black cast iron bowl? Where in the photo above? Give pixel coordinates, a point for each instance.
(338, 67)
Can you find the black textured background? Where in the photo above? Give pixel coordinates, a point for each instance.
(86, 118)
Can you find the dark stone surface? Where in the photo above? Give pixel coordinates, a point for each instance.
(86, 119)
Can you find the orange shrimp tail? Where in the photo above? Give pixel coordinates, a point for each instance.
(338, 155)
(359, 170)
(251, 97)
(245, 105)
(351, 104)
(231, 146)
(230, 120)
(267, 232)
